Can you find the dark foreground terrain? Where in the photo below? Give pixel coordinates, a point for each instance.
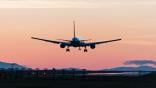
(73, 79)
(148, 81)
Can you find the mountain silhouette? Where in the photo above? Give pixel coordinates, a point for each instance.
(139, 68)
(5, 65)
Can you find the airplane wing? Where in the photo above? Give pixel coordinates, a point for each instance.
(85, 40)
(101, 42)
(64, 40)
(51, 41)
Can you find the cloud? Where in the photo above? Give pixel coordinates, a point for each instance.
(140, 62)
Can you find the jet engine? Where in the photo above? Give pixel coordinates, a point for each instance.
(92, 46)
(62, 45)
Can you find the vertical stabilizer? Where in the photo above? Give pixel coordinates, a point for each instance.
(74, 28)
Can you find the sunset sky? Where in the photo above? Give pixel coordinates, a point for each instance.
(132, 20)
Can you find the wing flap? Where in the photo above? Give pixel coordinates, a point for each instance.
(51, 41)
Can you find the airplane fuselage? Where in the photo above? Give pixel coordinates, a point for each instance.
(76, 42)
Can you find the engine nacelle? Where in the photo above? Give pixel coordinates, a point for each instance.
(62, 45)
(92, 46)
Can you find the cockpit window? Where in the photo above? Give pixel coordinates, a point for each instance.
(75, 39)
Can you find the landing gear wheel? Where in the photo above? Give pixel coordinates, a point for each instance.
(85, 50)
(67, 50)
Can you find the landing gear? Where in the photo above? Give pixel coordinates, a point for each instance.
(85, 50)
(79, 48)
(67, 50)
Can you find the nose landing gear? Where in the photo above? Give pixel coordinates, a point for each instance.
(79, 48)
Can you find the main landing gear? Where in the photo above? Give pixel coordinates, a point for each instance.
(67, 50)
(85, 50)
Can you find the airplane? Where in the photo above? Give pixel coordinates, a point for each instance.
(75, 42)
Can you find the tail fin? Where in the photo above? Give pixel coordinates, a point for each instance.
(74, 28)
